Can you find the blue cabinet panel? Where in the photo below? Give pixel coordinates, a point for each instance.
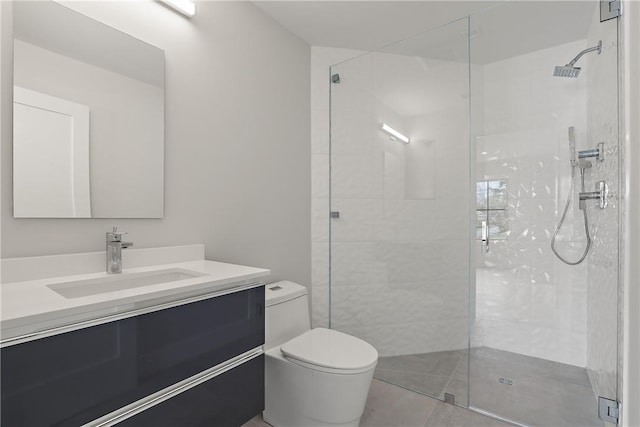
(73, 378)
(228, 400)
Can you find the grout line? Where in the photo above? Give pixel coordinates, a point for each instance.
(426, 420)
(444, 390)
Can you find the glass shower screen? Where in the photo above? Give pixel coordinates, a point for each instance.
(400, 182)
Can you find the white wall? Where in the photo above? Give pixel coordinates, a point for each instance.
(237, 172)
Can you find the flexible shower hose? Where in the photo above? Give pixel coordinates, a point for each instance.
(564, 214)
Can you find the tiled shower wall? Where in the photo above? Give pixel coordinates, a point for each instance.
(321, 60)
(527, 300)
(399, 249)
(400, 265)
(400, 253)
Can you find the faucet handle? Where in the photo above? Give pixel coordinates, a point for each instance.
(115, 231)
(115, 235)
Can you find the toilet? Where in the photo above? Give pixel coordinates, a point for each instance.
(313, 377)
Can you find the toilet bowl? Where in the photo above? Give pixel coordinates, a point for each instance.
(313, 377)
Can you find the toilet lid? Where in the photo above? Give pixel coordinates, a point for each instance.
(326, 348)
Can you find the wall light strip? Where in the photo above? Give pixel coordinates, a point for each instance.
(394, 133)
(186, 7)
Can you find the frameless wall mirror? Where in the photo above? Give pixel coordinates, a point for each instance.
(88, 118)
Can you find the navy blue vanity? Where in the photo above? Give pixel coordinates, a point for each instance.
(197, 363)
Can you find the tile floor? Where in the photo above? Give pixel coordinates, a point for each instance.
(391, 406)
(432, 374)
(541, 393)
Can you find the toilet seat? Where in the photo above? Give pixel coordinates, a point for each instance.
(330, 351)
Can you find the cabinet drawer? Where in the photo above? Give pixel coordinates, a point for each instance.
(230, 399)
(75, 377)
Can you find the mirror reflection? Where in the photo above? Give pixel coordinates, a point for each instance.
(88, 118)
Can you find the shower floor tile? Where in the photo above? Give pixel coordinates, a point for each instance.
(528, 390)
(543, 393)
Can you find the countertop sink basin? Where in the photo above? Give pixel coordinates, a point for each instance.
(120, 282)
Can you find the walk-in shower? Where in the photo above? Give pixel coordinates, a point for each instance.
(441, 252)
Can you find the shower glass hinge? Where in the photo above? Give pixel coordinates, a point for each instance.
(335, 214)
(335, 78)
(610, 9)
(609, 410)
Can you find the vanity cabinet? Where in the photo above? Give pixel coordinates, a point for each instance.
(225, 400)
(77, 377)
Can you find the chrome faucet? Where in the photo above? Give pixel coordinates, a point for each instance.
(114, 250)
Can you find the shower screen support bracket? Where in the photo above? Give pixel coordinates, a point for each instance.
(609, 410)
(610, 9)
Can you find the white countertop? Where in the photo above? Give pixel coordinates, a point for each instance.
(31, 306)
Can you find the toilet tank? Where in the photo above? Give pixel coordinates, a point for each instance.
(286, 312)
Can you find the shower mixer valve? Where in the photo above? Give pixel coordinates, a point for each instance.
(602, 189)
(582, 162)
(601, 194)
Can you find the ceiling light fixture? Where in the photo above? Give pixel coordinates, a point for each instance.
(394, 133)
(186, 7)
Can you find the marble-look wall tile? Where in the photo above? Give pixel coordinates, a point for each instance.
(320, 182)
(399, 257)
(357, 219)
(407, 220)
(353, 264)
(356, 176)
(321, 61)
(320, 264)
(319, 220)
(527, 301)
(320, 306)
(319, 131)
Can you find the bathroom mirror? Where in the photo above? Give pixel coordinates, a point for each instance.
(88, 118)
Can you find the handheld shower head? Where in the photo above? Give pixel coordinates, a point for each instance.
(570, 70)
(573, 158)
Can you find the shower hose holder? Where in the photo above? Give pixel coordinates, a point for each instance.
(597, 152)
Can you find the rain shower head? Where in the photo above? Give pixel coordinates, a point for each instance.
(570, 70)
(566, 71)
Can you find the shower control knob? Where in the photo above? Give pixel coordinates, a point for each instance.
(601, 195)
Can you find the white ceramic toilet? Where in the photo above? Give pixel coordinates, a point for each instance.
(313, 377)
